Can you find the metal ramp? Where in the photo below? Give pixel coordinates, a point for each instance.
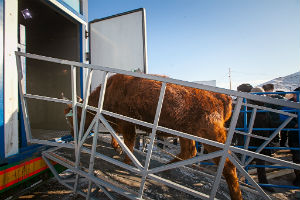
(142, 170)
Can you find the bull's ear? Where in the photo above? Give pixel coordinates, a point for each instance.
(63, 96)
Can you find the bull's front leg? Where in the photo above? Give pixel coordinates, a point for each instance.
(129, 135)
(187, 150)
(116, 146)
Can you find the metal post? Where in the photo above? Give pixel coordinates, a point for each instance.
(23, 100)
(96, 128)
(233, 122)
(152, 137)
(82, 124)
(252, 119)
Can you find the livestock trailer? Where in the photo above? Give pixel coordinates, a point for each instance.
(60, 29)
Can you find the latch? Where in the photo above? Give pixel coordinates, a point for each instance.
(86, 34)
(87, 56)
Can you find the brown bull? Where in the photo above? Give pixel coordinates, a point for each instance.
(194, 111)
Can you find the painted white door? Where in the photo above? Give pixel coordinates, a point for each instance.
(118, 41)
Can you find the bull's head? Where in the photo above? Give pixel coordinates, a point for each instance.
(69, 113)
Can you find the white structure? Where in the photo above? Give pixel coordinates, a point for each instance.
(210, 83)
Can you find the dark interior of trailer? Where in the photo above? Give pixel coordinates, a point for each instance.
(49, 32)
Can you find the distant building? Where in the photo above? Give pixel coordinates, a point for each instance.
(210, 83)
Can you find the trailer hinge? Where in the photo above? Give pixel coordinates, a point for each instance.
(86, 34)
(87, 56)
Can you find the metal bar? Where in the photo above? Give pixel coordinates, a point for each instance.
(113, 161)
(87, 131)
(163, 129)
(191, 137)
(263, 108)
(246, 145)
(232, 126)
(54, 172)
(23, 101)
(152, 137)
(135, 161)
(82, 124)
(251, 135)
(266, 158)
(85, 102)
(279, 186)
(271, 138)
(243, 171)
(56, 144)
(74, 104)
(179, 187)
(74, 109)
(169, 80)
(209, 176)
(52, 99)
(92, 157)
(96, 128)
(135, 121)
(185, 162)
(271, 129)
(93, 178)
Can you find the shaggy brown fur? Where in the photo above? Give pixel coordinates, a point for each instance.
(194, 111)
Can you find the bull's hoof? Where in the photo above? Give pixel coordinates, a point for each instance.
(119, 150)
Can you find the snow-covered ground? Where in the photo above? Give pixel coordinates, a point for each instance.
(285, 83)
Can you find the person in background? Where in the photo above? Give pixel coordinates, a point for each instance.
(245, 87)
(268, 87)
(262, 120)
(283, 134)
(238, 139)
(274, 117)
(293, 137)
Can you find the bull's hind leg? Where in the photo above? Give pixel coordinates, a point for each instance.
(187, 150)
(230, 175)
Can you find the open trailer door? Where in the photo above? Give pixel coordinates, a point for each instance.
(118, 41)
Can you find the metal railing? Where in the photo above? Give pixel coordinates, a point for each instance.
(245, 112)
(226, 150)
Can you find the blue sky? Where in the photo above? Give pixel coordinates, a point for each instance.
(199, 40)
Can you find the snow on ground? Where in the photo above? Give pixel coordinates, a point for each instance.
(286, 83)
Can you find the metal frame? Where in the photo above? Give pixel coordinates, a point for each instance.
(250, 129)
(227, 151)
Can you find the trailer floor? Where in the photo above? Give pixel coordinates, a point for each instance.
(189, 177)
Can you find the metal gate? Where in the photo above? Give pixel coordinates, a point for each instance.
(143, 171)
